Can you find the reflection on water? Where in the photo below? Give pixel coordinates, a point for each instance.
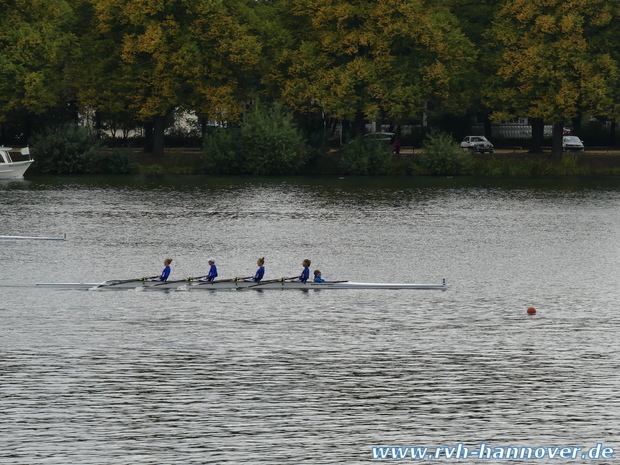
(315, 377)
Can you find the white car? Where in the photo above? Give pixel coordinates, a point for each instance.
(478, 144)
(572, 144)
(381, 136)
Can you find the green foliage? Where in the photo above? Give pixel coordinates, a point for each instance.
(532, 166)
(569, 166)
(152, 169)
(67, 149)
(223, 152)
(35, 45)
(556, 59)
(268, 143)
(491, 166)
(153, 56)
(120, 161)
(442, 156)
(273, 142)
(127, 62)
(385, 58)
(363, 156)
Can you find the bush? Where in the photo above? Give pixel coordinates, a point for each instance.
(514, 166)
(120, 161)
(152, 169)
(268, 143)
(67, 149)
(223, 152)
(363, 156)
(273, 142)
(442, 156)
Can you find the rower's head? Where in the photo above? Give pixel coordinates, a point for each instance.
(211, 261)
(317, 273)
(167, 261)
(306, 263)
(261, 261)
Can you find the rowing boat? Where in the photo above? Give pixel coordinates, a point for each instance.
(239, 285)
(33, 238)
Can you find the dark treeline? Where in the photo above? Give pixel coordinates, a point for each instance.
(126, 64)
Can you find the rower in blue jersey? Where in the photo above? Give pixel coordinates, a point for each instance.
(166, 271)
(260, 273)
(317, 277)
(212, 271)
(305, 274)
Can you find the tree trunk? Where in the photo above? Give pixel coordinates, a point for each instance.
(612, 134)
(558, 132)
(359, 123)
(148, 137)
(577, 123)
(538, 134)
(488, 129)
(159, 127)
(203, 126)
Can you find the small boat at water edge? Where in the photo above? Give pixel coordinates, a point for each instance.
(10, 169)
(232, 284)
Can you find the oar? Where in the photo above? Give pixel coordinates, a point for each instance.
(231, 280)
(270, 281)
(124, 281)
(177, 281)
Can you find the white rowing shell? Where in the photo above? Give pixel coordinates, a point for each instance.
(241, 285)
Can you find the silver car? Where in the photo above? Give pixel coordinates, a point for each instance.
(381, 136)
(478, 144)
(572, 144)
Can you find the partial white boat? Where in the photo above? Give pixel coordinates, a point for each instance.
(33, 238)
(232, 284)
(10, 169)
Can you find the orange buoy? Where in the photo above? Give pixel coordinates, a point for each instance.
(531, 310)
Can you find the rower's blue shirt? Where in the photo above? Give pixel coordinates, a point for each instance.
(165, 274)
(318, 280)
(212, 273)
(305, 275)
(260, 273)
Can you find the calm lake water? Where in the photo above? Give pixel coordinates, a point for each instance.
(271, 377)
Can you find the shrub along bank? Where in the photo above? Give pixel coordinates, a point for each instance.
(270, 144)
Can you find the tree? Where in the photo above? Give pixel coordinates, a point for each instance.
(35, 45)
(378, 59)
(556, 60)
(163, 55)
(267, 143)
(476, 20)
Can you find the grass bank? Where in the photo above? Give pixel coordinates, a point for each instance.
(603, 162)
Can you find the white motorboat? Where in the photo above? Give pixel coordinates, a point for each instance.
(10, 169)
(234, 284)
